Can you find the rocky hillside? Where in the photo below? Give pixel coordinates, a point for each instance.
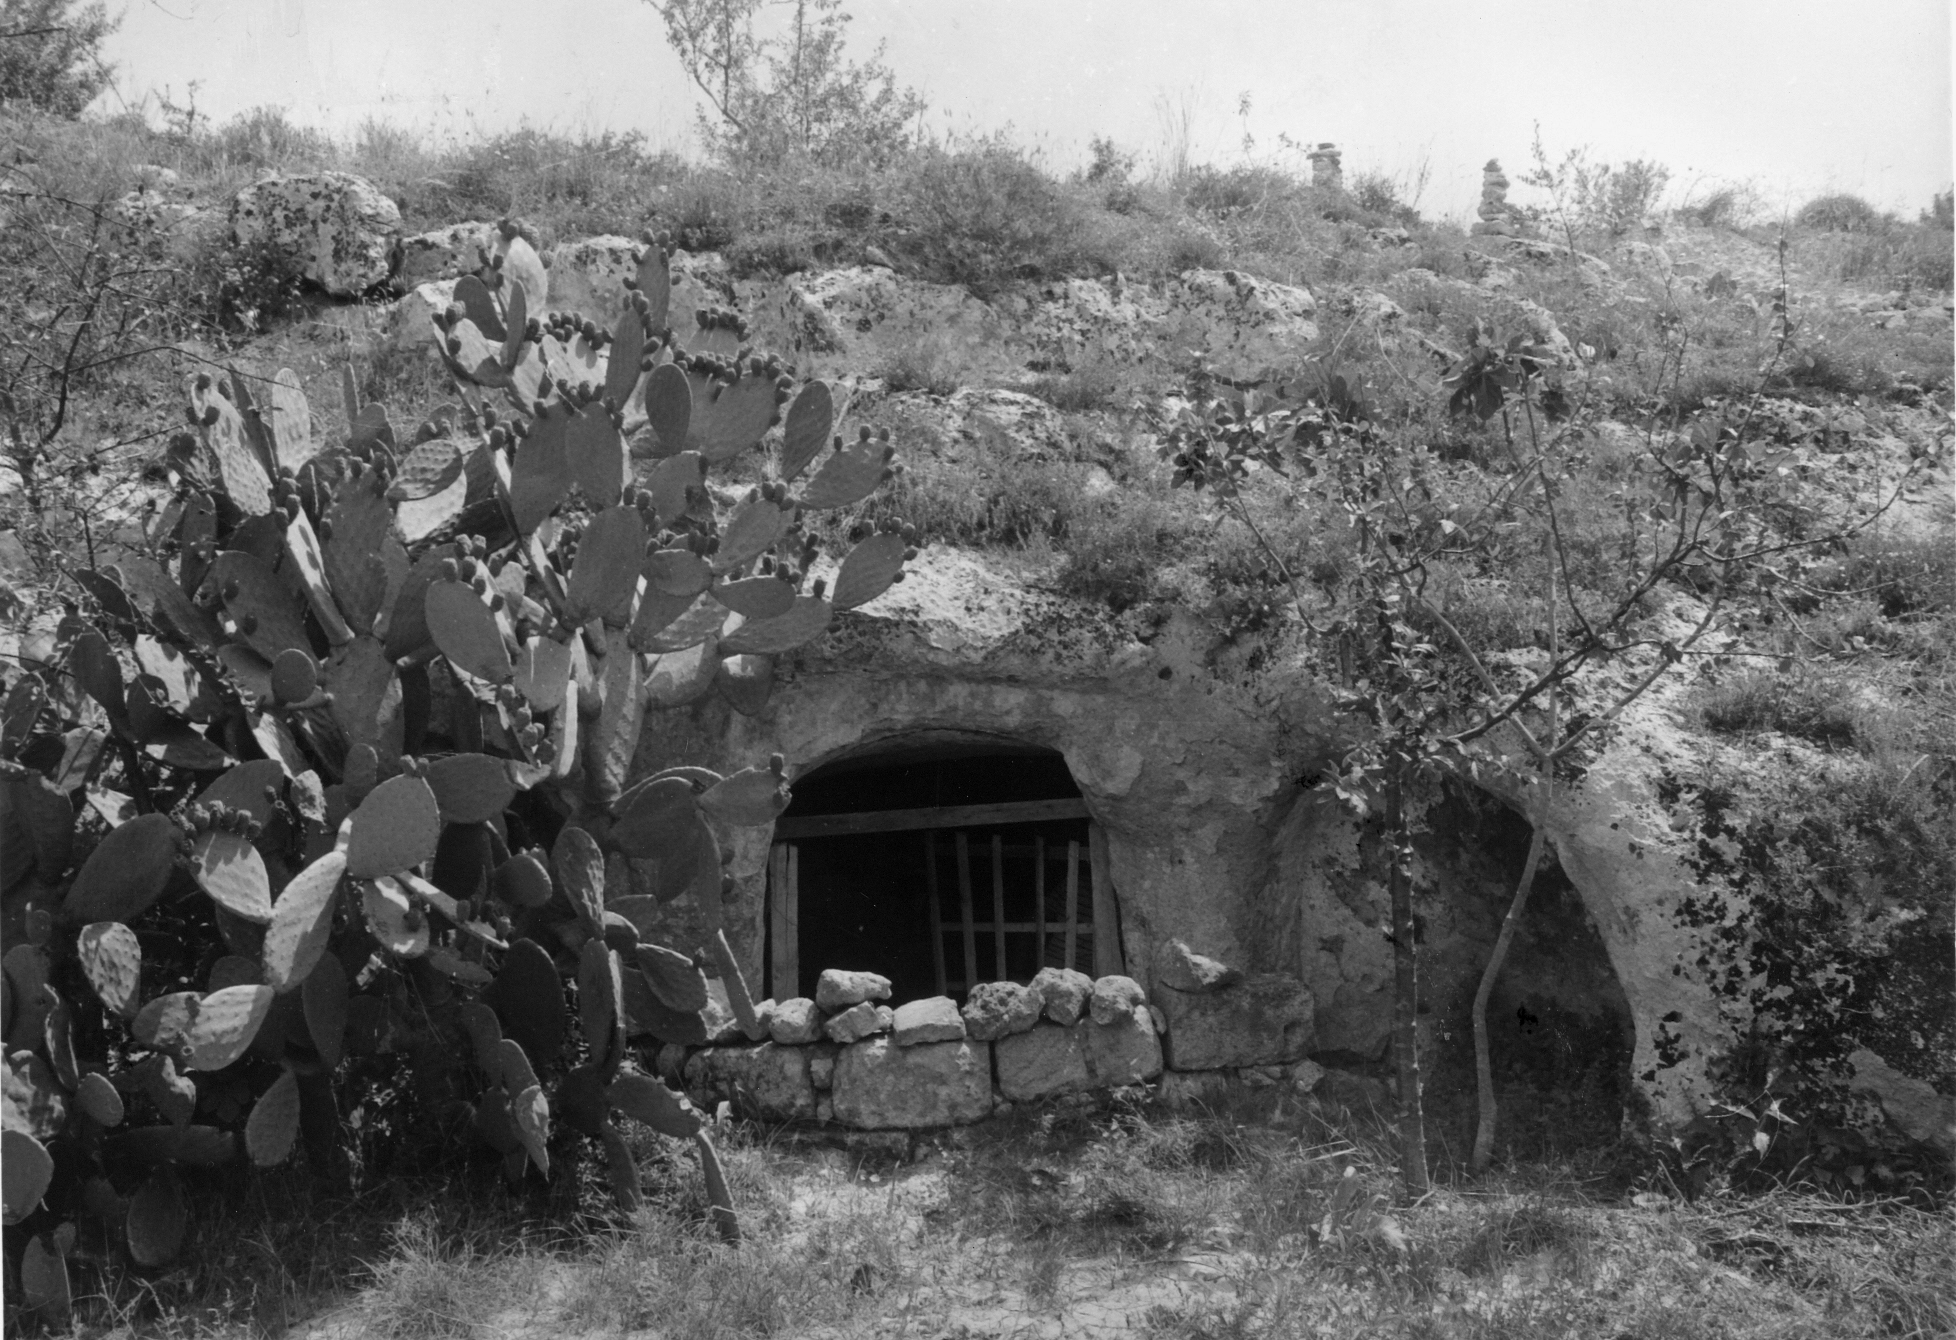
(1760, 840)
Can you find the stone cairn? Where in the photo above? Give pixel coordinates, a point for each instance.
(1327, 169)
(1497, 219)
(846, 1058)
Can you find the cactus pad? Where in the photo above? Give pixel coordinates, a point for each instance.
(580, 874)
(398, 825)
(749, 798)
(260, 603)
(126, 872)
(529, 1000)
(702, 618)
(745, 682)
(99, 1099)
(485, 1034)
(730, 417)
(157, 1219)
(225, 1023)
(521, 881)
(426, 470)
(735, 983)
(323, 1001)
(849, 475)
(26, 1170)
(869, 570)
(274, 1122)
(466, 632)
(479, 306)
(756, 597)
(400, 928)
(539, 476)
(605, 576)
(810, 419)
(542, 670)
(470, 788)
(805, 620)
(654, 817)
(651, 1103)
(112, 960)
(232, 872)
(595, 454)
(294, 676)
(674, 978)
(756, 524)
(681, 677)
(302, 919)
(598, 999)
(291, 420)
(407, 626)
(621, 367)
(674, 483)
(679, 573)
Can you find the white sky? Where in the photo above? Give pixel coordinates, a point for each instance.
(1790, 96)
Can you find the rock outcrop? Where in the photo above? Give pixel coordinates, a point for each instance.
(340, 231)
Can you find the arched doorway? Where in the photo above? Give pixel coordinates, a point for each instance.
(939, 862)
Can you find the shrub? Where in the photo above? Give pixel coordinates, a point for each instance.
(51, 53)
(1839, 213)
(984, 215)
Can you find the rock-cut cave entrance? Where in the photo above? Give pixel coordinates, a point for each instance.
(939, 863)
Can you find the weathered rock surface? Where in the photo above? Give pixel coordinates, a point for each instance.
(860, 1021)
(935, 1019)
(1913, 1105)
(1262, 1020)
(765, 1081)
(795, 1021)
(587, 276)
(445, 253)
(1183, 969)
(340, 230)
(1114, 998)
(881, 1086)
(998, 1009)
(1043, 1063)
(1124, 1049)
(838, 989)
(1063, 993)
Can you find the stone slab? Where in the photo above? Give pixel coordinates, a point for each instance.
(1265, 1019)
(1043, 1063)
(881, 1086)
(935, 1019)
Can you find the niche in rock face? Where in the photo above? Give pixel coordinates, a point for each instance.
(939, 863)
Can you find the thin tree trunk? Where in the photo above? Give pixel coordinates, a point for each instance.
(1405, 1004)
(1483, 1069)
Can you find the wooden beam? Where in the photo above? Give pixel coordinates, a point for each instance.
(998, 906)
(964, 908)
(936, 912)
(1072, 901)
(941, 816)
(784, 920)
(1039, 900)
(1107, 957)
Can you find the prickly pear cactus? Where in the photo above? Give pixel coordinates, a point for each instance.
(338, 765)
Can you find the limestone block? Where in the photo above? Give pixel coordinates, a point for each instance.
(795, 1021)
(821, 1067)
(445, 253)
(766, 1081)
(1124, 1050)
(1247, 326)
(864, 315)
(1913, 1105)
(337, 227)
(995, 1010)
(1114, 998)
(838, 989)
(718, 1016)
(932, 1020)
(1181, 968)
(1263, 1020)
(1191, 1090)
(860, 1021)
(1063, 993)
(1042, 1063)
(881, 1086)
(408, 320)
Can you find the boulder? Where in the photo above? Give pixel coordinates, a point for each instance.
(838, 989)
(863, 317)
(795, 1021)
(1913, 1105)
(340, 231)
(1114, 998)
(1181, 968)
(860, 1021)
(409, 320)
(1043, 1063)
(821, 1067)
(1262, 1020)
(1248, 327)
(881, 1086)
(768, 1081)
(1123, 1050)
(932, 1020)
(995, 1010)
(445, 253)
(1063, 993)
